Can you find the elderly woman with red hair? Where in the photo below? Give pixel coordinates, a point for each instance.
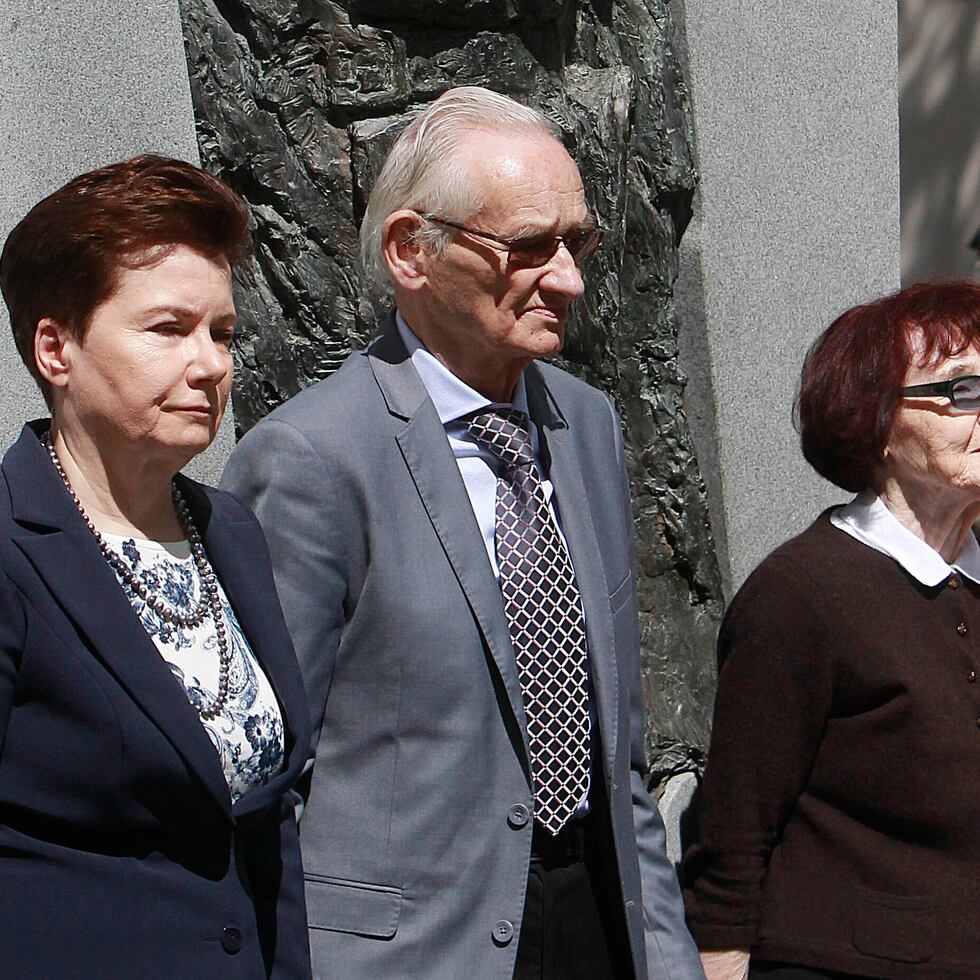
(152, 716)
(840, 820)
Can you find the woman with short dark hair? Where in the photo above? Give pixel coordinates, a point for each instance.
(841, 802)
(152, 716)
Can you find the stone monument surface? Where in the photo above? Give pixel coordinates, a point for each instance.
(297, 102)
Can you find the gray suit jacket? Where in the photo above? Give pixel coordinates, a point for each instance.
(415, 841)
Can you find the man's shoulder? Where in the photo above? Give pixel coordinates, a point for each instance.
(571, 394)
(560, 379)
(344, 393)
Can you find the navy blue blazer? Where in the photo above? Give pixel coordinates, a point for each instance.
(120, 852)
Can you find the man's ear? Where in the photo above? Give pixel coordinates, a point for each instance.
(50, 354)
(403, 255)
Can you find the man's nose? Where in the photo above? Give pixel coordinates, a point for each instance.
(562, 275)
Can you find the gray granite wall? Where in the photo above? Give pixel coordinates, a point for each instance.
(796, 218)
(84, 83)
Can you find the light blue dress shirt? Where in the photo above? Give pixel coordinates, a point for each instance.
(453, 399)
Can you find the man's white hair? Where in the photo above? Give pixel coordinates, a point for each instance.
(423, 170)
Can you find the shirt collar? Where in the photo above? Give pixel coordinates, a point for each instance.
(871, 522)
(451, 397)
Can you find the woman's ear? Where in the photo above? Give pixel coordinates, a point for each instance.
(50, 354)
(403, 254)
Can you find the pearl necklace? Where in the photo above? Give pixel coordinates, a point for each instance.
(209, 603)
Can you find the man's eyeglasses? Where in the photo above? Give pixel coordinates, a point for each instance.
(963, 393)
(531, 253)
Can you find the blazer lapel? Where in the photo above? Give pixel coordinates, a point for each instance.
(572, 505)
(65, 555)
(430, 460)
(237, 552)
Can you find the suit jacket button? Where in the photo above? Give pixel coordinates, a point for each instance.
(231, 939)
(961, 629)
(518, 815)
(503, 932)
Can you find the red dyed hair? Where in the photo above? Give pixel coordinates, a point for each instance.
(853, 374)
(63, 259)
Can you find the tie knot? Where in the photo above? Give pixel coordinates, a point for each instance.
(504, 431)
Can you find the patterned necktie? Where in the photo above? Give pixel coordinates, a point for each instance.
(547, 624)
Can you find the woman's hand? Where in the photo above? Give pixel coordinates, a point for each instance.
(725, 964)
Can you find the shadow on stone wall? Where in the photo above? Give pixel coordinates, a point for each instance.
(297, 102)
(939, 95)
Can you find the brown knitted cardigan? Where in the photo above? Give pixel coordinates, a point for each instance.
(840, 818)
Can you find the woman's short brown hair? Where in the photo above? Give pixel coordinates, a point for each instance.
(63, 259)
(853, 375)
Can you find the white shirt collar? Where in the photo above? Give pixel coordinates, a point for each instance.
(451, 397)
(868, 519)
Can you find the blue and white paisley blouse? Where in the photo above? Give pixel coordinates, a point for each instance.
(248, 733)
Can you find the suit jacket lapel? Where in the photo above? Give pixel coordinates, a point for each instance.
(572, 504)
(427, 454)
(65, 555)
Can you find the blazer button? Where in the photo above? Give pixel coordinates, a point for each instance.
(518, 815)
(231, 939)
(972, 677)
(961, 629)
(503, 932)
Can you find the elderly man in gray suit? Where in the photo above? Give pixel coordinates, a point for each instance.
(451, 532)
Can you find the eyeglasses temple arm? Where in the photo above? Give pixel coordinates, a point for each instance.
(931, 388)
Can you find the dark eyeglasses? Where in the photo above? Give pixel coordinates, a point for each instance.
(532, 253)
(963, 393)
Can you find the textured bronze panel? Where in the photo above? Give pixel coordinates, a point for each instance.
(297, 102)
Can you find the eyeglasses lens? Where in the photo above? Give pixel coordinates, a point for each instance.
(583, 245)
(536, 252)
(966, 394)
